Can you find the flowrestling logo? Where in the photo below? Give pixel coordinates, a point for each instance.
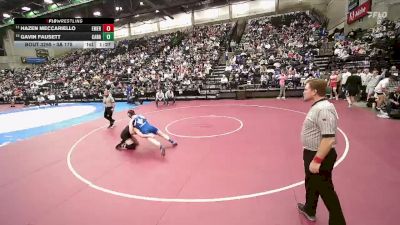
(380, 16)
(359, 12)
(377, 15)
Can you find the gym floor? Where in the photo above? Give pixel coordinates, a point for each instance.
(237, 162)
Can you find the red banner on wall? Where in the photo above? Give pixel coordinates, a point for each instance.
(359, 12)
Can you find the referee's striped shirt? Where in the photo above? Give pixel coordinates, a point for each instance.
(321, 121)
(108, 101)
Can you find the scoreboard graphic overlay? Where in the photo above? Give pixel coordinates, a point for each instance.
(64, 33)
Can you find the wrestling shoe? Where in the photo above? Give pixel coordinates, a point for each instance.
(162, 150)
(120, 146)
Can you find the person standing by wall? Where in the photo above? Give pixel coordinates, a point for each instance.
(373, 81)
(343, 80)
(333, 83)
(353, 87)
(160, 97)
(169, 96)
(381, 90)
(282, 85)
(319, 155)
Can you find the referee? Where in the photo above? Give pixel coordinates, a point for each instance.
(319, 155)
(109, 104)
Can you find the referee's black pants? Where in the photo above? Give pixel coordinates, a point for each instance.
(320, 184)
(108, 114)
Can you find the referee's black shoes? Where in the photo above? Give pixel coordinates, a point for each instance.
(111, 123)
(300, 207)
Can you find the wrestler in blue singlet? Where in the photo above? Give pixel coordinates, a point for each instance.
(141, 123)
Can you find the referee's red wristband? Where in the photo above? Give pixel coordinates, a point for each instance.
(317, 159)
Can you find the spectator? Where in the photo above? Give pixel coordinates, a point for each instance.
(276, 41)
(264, 80)
(52, 99)
(382, 89)
(41, 100)
(393, 106)
(170, 96)
(282, 85)
(353, 87)
(372, 83)
(224, 82)
(333, 83)
(160, 97)
(343, 80)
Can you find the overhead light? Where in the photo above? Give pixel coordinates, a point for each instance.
(118, 8)
(78, 17)
(53, 6)
(157, 11)
(137, 15)
(141, 3)
(30, 14)
(5, 15)
(26, 8)
(48, 1)
(97, 13)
